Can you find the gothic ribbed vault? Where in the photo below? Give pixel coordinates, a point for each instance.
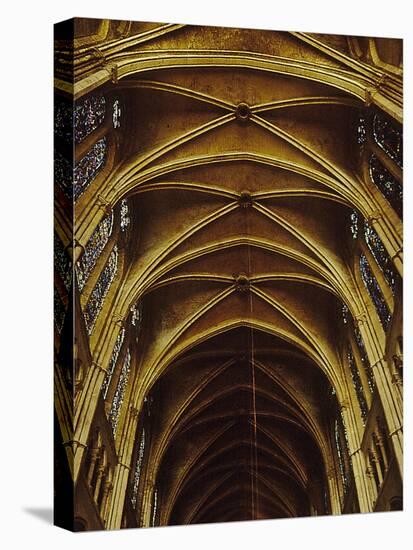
(240, 158)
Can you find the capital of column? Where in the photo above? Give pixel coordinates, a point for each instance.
(397, 254)
(74, 444)
(378, 363)
(112, 69)
(344, 405)
(99, 367)
(75, 250)
(104, 204)
(374, 217)
(353, 453)
(373, 90)
(361, 318)
(368, 98)
(118, 319)
(396, 431)
(123, 465)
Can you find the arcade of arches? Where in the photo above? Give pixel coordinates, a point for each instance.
(228, 274)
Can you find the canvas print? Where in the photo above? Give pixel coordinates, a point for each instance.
(228, 274)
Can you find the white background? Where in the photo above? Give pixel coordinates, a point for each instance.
(26, 272)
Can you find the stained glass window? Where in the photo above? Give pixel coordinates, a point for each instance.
(113, 362)
(120, 393)
(62, 262)
(63, 119)
(341, 455)
(116, 114)
(59, 311)
(388, 185)
(138, 469)
(380, 254)
(155, 507)
(136, 311)
(345, 314)
(89, 114)
(354, 224)
(374, 291)
(93, 249)
(87, 168)
(63, 173)
(348, 320)
(98, 295)
(355, 377)
(361, 130)
(75, 181)
(364, 358)
(388, 137)
(124, 215)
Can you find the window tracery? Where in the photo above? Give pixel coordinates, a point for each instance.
(88, 167)
(155, 506)
(361, 130)
(388, 138)
(62, 262)
(364, 358)
(358, 386)
(348, 320)
(380, 254)
(89, 113)
(63, 119)
(116, 114)
(113, 362)
(341, 455)
(390, 188)
(120, 392)
(74, 181)
(63, 174)
(98, 295)
(345, 312)
(136, 311)
(354, 224)
(138, 469)
(93, 249)
(124, 215)
(375, 292)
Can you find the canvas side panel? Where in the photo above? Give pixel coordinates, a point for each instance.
(63, 276)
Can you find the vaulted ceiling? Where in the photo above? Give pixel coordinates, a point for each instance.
(240, 183)
(240, 178)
